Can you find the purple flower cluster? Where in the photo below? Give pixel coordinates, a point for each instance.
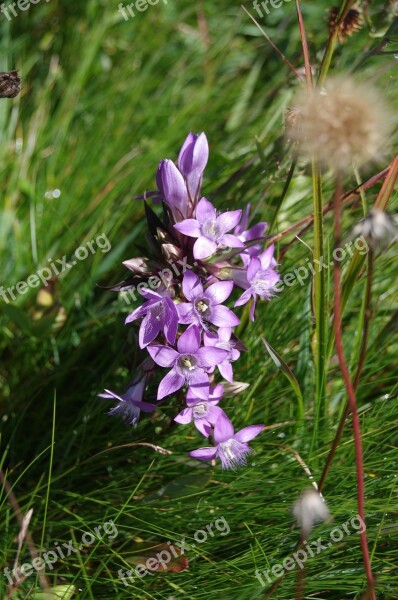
(185, 325)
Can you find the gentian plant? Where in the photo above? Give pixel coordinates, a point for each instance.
(196, 258)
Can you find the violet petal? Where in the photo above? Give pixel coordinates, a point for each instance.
(248, 433)
(223, 429)
(163, 355)
(172, 382)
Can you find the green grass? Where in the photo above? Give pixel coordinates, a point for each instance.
(103, 101)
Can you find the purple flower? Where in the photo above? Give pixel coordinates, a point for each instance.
(203, 412)
(262, 279)
(192, 161)
(249, 235)
(189, 364)
(130, 404)
(210, 229)
(231, 448)
(172, 187)
(205, 305)
(160, 314)
(223, 340)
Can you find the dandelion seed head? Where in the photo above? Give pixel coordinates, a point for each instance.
(342, 123)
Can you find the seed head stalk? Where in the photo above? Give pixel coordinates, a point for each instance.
(319, 344)
(350, 390)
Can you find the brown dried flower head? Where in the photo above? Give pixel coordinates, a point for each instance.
(343, 123)
(351, 23)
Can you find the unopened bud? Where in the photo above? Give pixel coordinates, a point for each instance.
(137, 265)
(171, 252)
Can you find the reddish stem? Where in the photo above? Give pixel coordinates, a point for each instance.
(367, 318)
(352, 403)
(361, 362)
(334, 447)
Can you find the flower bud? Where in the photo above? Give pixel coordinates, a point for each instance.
(171, 252)
(192, 161)
(138, 265)
(172, 186)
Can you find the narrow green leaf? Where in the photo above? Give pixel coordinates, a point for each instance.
(286, 370)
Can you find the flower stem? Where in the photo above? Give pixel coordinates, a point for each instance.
(350, 392)
(319, 345)
(361, 362)
(367, 318)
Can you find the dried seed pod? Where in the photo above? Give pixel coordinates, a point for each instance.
(351, 23)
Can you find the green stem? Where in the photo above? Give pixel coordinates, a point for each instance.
(332, 41)
(319, 344)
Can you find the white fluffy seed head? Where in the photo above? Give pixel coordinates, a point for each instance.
(310, 509)
(344, 122)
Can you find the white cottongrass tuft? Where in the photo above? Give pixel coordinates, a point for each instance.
(378, 228)
(310, 509)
